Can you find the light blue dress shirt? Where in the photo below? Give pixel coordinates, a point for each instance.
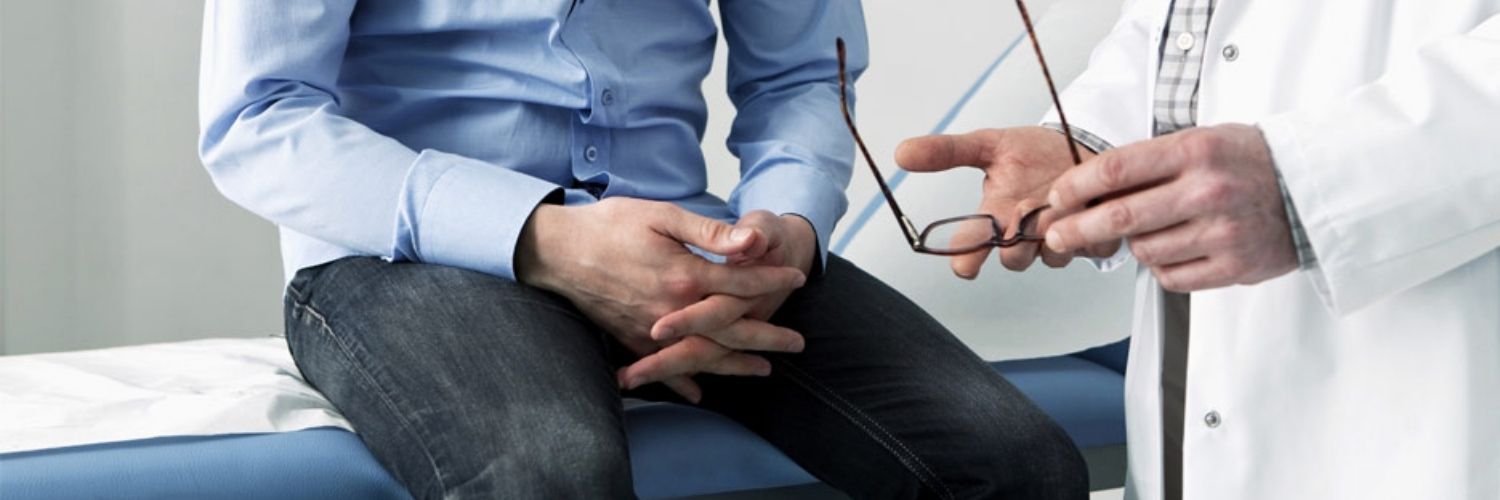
(430, 130)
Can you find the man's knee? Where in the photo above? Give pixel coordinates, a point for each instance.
(1037, 460)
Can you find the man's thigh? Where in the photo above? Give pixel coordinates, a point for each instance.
(885, 402)
(462, 382)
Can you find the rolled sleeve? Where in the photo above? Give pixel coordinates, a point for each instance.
(461, 212)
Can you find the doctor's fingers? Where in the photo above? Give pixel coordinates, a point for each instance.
(1141, 212)
(1020, 256)
(1181, 243)
(935, 153)
(1044, 220)
(1196, 275)
(967, 266)
(1115, 171)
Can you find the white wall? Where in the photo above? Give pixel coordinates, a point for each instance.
(112, 234)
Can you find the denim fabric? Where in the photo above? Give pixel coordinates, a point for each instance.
(466, 385)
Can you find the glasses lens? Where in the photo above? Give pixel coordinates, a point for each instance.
(962, 235)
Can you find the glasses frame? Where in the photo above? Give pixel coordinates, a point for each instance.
(918, 239)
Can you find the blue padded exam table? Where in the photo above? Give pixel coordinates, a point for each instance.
(675, 450)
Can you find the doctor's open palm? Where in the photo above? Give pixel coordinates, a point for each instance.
(1019, 165)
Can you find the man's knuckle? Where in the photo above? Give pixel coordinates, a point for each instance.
(680, 285)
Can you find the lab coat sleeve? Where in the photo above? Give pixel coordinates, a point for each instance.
(1109, 99)
(1399, 182)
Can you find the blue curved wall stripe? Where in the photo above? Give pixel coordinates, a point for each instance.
(878, 200)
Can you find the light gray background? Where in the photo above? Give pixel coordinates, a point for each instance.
(112, 234)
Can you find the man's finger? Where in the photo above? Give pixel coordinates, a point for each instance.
(756, 220)
(748, 281)
(757, 335)
(1138, 213)
(709, 234)
(721, 319)
(1113, 171)
(685, 386)
(691, 355)
(941, 152)
(711, 313)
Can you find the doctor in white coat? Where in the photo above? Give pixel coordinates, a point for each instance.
(1365, 366)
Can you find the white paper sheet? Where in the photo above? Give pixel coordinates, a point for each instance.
(204, 387)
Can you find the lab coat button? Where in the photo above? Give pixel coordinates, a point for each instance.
(1186, 41)
(1211, 419)
(1231, 52)
(590, 153)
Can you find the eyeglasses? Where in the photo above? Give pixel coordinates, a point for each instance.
(969, 233)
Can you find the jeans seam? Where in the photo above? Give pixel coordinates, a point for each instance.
(297, 297)
(385, 398)
(838, 403)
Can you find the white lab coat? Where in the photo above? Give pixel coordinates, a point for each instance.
(1377, 375)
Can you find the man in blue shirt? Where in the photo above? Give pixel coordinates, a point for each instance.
(493, 219)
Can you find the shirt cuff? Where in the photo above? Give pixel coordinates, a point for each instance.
(461, 212)
(1306, 259)
(795, 189)
(1082, 137)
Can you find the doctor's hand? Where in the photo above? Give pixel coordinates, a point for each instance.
(1019, 166)
(726, 320)
(1202, 208)
(623, 263)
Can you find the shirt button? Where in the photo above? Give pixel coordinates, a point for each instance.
(1185, 41)
(590, 153)
(1231, 52)
(1211, 419)
(607, 97)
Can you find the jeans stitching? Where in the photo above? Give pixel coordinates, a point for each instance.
(390, 404)
(296, 294)
(839, 403)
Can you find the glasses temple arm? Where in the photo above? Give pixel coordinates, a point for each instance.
(907, 229)
(1047, 74)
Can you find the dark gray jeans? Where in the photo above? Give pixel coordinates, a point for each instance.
(465, 385)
